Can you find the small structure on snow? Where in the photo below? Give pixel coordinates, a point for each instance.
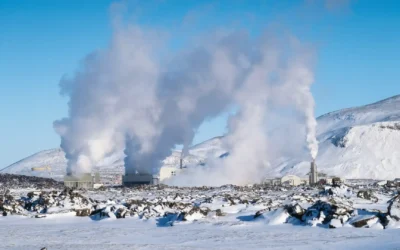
(131, 180)
(79, 181)
(291, 180)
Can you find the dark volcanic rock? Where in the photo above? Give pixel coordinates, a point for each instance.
(394, 208)
(295, 211)
(83, 212)
(367, 195)
(324, 212)
(22, 181)
(363, 222)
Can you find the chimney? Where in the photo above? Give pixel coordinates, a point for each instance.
(313, 173)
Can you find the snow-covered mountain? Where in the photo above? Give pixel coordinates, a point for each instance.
(361, 142)
(36, 164)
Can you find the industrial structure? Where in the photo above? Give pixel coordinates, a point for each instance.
(293, 180)
(290, 180)
(313, 174)
(313, 178)
(79, 181)
(43, 169)
(131, 180)
(47, 168)
(168, 172)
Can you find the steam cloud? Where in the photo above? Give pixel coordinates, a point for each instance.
(129, 98)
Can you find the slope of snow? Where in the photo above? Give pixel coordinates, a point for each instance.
(386, 110)
(53, 158)
(361, 142)
(365, 151)
(114, 164)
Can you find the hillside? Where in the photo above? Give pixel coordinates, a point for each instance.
(113, 164)
(361, 142)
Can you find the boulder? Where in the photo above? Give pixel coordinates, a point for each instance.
(323, 212)
(83, 212)
(121, 213)
(99, 214)
(295, 211)
(364, 221)
(261, 212)
(219, 212)
(394, 208)
(367, 195)
(196, 213)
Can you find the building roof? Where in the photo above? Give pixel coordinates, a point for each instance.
(79, 178)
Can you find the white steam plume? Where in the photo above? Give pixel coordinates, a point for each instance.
(277, 79)
(124, 99)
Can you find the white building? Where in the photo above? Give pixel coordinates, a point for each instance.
(293, 180)
(273, 182)
(168, 172)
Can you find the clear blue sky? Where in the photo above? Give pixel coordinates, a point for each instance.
(358, 49)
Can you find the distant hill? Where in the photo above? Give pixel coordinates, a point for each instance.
(361, 142)
(114, 164)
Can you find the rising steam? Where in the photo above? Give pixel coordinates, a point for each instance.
(128, 98)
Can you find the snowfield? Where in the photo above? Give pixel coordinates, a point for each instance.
(360, 142)
(355, 216)
(66, 232)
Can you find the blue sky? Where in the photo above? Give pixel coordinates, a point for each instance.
(357, 52)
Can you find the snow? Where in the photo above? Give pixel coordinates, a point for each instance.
(277, 217)
(227, 217)
(67, 232)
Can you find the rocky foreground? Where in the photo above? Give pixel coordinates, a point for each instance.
(360, 206)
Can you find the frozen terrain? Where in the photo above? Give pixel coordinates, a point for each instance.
(360, 142)
(356, 216)
(82, 233)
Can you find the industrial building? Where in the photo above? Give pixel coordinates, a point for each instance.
(80, 181)
(131, 180)
(313, 179)
(168, 172)
(293, 180)
(290, 180)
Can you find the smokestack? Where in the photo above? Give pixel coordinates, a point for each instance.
(313, 173)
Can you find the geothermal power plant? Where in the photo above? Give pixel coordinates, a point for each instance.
(133, 178)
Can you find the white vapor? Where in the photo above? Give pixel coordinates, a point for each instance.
(127, 98)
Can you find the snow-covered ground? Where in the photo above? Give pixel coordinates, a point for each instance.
(67, 232)
(359, 216)
(359, 142)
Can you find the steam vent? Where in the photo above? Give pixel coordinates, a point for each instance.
(313, 173)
